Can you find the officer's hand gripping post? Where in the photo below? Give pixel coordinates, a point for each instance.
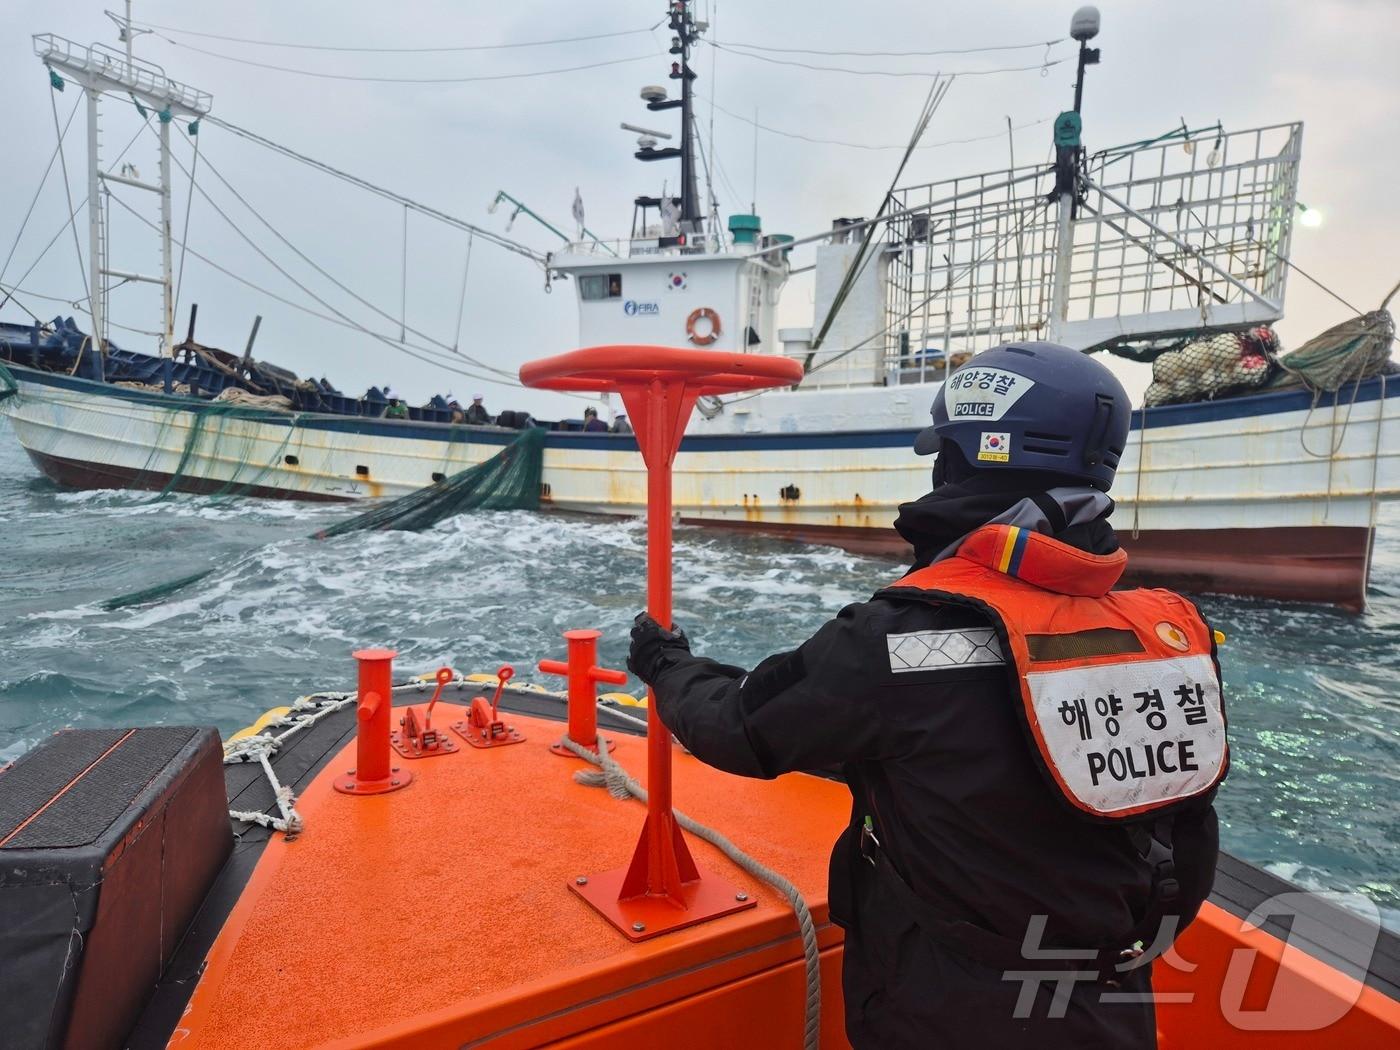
(662, 889)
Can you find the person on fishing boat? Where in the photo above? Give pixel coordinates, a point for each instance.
(476, 412)
(1033, 756)
(592, 423)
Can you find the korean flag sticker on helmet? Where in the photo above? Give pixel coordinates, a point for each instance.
(983, 393)
(995, 448)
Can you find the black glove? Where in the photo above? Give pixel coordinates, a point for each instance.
(652, 647)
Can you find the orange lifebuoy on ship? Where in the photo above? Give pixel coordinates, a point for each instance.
(704, 313)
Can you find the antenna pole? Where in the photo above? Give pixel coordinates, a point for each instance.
(1069, 158)
(684, 28)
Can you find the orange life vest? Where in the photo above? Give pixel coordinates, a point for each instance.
(1120, 690)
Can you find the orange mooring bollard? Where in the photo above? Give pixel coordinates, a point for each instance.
(583, 674)
(374, 771)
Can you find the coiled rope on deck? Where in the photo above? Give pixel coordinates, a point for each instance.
(621, 785)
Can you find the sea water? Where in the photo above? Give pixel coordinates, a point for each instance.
(1313, 794)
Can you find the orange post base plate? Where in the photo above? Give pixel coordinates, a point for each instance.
(643, 917)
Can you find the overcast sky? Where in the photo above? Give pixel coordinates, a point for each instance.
(1332, 65)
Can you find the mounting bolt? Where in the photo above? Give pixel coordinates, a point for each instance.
(639, 926)
(395, 769)
(741, 896)
(350, 772)
(395, 782)
(582, 880)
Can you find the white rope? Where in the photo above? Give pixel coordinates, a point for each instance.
(305, 712)
(621, 785)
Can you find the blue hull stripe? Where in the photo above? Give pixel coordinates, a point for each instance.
(1254, 405)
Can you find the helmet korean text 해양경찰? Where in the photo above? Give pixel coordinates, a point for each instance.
(1033, 406)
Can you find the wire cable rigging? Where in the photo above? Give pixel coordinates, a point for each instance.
(342, 321)
(890, 54)
(922, 73)
(308, 260)
(432, 49)
(381, 191)
(481, 77)
(864, 145)
(43, 179)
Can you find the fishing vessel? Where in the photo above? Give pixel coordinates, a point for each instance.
(1248, 475)
(433, 862)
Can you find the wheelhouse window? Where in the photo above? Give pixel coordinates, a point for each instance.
(595, 286)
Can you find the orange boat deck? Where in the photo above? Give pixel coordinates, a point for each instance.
(441, 915)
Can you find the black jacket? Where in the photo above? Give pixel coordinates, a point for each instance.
(939, 761)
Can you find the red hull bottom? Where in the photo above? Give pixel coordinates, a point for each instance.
(74, 474)
(1305, 564)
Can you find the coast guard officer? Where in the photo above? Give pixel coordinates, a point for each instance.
(1032, 755)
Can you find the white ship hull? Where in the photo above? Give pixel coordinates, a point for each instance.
(1266, 495)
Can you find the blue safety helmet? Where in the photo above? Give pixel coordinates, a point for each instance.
(1033, 406)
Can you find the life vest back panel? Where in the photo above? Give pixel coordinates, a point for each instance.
(1120, 692)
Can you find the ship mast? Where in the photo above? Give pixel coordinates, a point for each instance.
(99, 70)
(684, 32)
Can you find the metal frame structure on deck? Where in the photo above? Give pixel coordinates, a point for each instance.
(1164, 239)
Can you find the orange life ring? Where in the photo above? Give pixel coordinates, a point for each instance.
(704, 313)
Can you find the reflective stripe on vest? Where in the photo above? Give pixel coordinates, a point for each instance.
(1120, 692)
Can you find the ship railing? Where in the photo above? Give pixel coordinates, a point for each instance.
(107, 69)
(643, 247)
(1183, 234)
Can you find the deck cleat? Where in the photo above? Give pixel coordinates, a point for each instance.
(482, 728)
(412, 740)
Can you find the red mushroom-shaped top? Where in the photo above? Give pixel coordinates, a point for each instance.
(703, 372)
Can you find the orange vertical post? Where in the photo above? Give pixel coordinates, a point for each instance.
(662, 889)
(374, 771)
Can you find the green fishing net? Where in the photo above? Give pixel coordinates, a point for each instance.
(509, 480)
(9, 388)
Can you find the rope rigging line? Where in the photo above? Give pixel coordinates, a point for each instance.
(320, 270)
(462, 299)
(890, 54)
(865, 145)
(342, 321)
(72, 214)
(936, 93)
(479, 78)
(888, 72)
(395, 50)
(996, 247)
(622, 786)
(43, 180)
(381, 191)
